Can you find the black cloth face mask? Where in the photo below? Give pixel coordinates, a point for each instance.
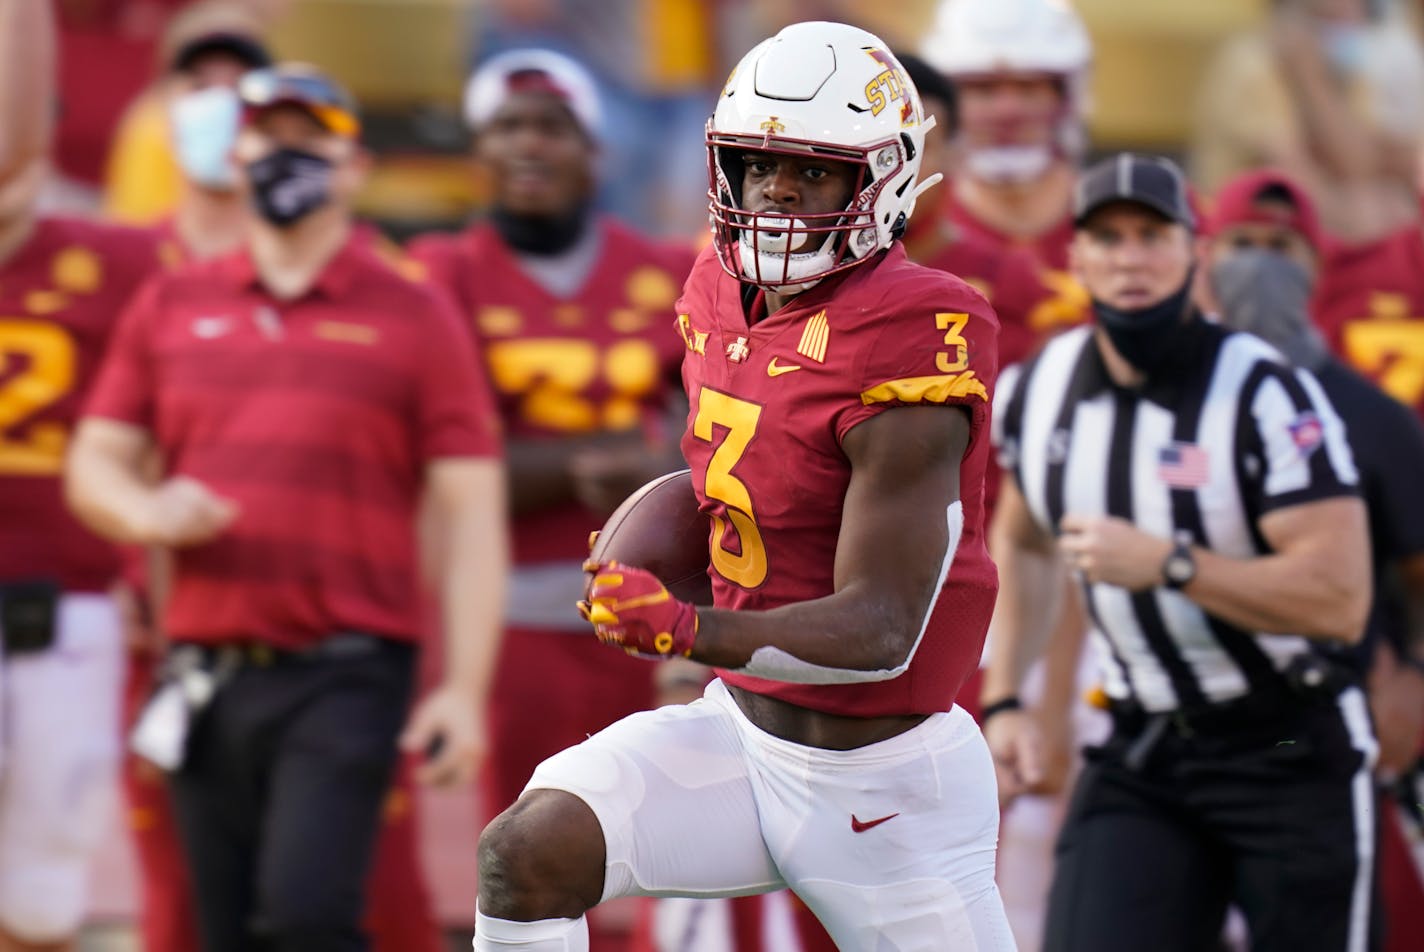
(289, 184)
(1147, 336)
(540, 235)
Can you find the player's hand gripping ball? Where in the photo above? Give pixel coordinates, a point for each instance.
(630, 608)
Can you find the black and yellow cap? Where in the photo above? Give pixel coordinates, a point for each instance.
(297, 84)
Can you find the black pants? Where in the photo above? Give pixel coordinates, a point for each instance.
(279, 802)
(1274, 818)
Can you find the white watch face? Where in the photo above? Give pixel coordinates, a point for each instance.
(1179, 568)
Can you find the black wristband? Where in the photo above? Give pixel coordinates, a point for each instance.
(1010, 703)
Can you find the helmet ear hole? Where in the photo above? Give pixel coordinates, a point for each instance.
(898, 229)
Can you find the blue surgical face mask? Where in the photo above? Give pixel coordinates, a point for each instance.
(204, 128)
(1346, 45)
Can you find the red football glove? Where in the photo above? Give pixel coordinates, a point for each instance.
(630, 608)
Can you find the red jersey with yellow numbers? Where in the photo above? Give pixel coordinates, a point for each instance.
(60, 295)
(1059, 302)
(319, 417)
(601, 359)
(1369, 304)
(771, 405)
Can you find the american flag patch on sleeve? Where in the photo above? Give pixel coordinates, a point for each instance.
(1182, 465)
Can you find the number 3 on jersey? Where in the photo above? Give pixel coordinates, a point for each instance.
(745, 565)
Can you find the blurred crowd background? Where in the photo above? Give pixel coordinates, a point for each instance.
(1208, 81)
(1218, 84)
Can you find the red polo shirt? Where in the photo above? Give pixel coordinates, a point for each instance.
(317, 416)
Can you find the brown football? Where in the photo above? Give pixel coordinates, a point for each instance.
(659, 528)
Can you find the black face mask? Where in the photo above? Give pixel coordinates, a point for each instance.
(289, 184)
(543, 235)
(1148, 336)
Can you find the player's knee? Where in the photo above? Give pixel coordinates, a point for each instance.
(542, 859)
(43, 903)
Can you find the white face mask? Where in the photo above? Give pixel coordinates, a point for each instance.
(205, 127)
(1009, 163)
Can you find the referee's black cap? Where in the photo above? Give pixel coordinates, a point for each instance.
(1148, 180)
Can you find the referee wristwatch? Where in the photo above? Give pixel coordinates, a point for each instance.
(1180, 566)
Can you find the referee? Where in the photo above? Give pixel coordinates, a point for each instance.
(1205, 497)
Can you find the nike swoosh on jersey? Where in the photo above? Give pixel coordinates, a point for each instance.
(773, 370)
(856, 826)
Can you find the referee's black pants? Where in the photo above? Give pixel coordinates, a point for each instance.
(1275, 817)
(279, 801)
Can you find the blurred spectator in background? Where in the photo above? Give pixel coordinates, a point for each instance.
(295, 597)
(161, 132)
(107, 53)
(1328, 91)
(573, 311)
(655, 63)
(197, 119)
(1262, 263)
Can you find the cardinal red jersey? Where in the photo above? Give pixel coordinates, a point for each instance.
(1058, 300)
(1370, 306)
(60, 294)
(771, 405)
(318, 416)
(599, 359)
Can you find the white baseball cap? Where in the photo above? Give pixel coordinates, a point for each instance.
(537, 70)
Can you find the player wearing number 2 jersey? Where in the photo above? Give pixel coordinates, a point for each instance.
(62, 284)
(837, 437)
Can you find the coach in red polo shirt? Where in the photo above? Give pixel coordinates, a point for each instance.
(304, 396)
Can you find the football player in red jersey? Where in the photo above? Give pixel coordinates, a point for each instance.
(1020, 68)
(837, 438)
(570, 308)
(210, 220)
(1370, 306)
(62, 284)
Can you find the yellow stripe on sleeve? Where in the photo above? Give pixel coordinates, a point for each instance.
(937, 389)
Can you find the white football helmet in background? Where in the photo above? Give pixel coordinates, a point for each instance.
(818, 89)
(981, 39)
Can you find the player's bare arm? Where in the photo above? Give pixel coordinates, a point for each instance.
(1314, 583)
(106, 485)
(889, 558)
(465, 498)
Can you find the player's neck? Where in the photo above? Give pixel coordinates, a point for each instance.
(14, 233)
(210, 223)
(289, 260)
(1022, 210)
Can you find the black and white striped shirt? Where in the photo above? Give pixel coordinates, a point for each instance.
(1233, 436)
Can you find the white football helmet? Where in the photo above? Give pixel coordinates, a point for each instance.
(974, 39)
(824, 89)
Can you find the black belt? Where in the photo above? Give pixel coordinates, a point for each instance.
(342, 645)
